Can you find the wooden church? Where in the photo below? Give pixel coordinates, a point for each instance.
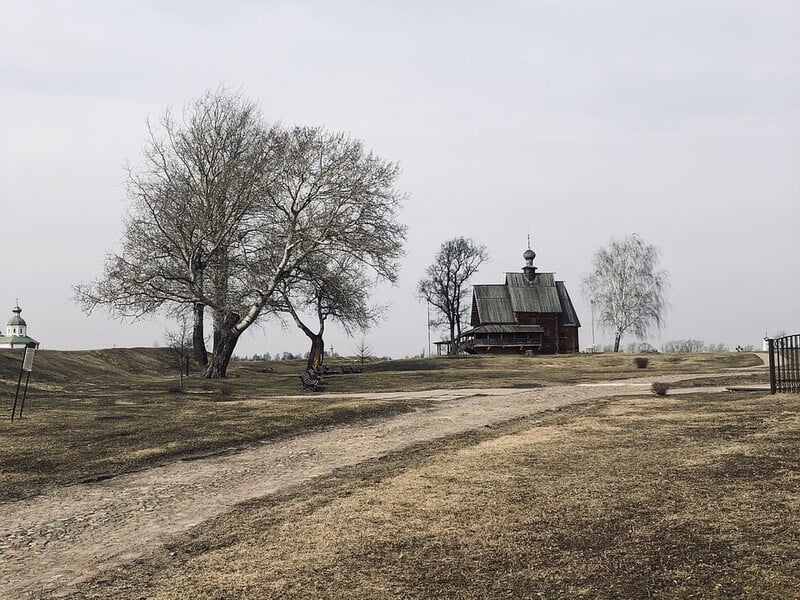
(531, 313)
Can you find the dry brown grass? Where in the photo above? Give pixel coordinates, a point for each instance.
(99, 413)
(120, 371)
(63, 442)
(522, 371)
(756, 378)
(94, 415)
(684, 496)
(694, 496)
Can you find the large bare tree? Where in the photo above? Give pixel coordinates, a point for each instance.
(333, 289)
(191, 200)
(628, 287)
(444, 284)
(326, 193)
(222, 215)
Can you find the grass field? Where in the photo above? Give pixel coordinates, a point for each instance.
(686, 496)
(95, 414)
(692, 496)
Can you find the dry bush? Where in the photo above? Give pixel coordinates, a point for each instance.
(660, 388)
(641, 362)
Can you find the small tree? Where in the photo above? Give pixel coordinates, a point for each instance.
(333, 288)
(179, 341)
(628, 287)
(444, 284)
(363, 350)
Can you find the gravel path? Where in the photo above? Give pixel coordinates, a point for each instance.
(51, 543)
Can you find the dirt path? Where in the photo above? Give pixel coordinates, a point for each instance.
(51, 543)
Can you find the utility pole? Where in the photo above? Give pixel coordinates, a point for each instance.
(428, 304)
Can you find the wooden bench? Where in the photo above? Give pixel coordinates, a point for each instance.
(310, 380)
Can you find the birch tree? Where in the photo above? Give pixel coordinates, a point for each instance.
(628, 287)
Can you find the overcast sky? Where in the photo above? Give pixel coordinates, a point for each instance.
(576, 121)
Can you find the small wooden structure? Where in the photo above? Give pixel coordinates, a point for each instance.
(531, 313)
(442, 347)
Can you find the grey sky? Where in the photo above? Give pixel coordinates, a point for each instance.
(578, 121)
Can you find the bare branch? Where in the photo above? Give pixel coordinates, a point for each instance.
(444, 285)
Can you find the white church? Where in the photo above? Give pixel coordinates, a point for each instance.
(16, 332)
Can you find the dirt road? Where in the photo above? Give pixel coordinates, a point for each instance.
(51, 543)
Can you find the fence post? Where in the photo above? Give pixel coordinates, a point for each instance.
(771, 347)
(794, 362)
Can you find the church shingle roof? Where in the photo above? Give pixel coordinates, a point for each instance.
(500, 303)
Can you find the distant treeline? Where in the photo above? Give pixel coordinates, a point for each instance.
(278, 356)
(675, 346)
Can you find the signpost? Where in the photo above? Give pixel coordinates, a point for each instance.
(26, 367)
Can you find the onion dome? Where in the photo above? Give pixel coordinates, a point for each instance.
(529, 269)
(17, 320)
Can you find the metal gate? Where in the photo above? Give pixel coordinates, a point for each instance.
(784, 364)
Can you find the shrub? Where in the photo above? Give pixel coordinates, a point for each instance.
(641, 362)
(660, 388)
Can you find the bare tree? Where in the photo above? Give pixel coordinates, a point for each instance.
(225, 209)
(692, 346)
(628, 287)
(333, 288)
(327, 194)
(444, 284)
(684, 346)
(191, 200)
(179, 341)
(363, 350)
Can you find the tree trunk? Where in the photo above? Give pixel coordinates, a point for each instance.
(225, 338)
(452, 349)
(198, 337)
(617, 338)
(317, 354)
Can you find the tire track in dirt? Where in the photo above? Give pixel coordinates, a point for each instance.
(52, 543)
